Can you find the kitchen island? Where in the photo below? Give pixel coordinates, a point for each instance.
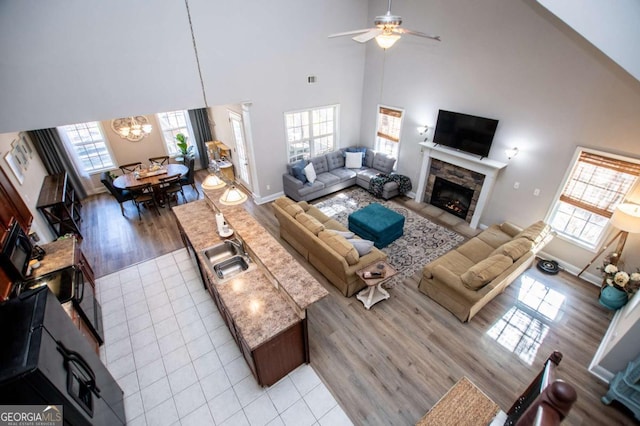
(264, 308)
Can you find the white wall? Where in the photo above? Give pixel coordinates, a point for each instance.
(73, 61)
(114, 65)
(514, 61)
(611, 26)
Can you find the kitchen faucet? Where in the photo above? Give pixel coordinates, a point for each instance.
(239, 245)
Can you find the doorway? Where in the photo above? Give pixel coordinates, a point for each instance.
(237, 127)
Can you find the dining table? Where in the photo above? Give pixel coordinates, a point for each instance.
(143, 176)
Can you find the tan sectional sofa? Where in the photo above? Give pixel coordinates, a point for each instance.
(308, 230)
(467, 278)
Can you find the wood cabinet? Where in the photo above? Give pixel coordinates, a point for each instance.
(12, 206)
(62, 254)
(59, 205)
(276, 357)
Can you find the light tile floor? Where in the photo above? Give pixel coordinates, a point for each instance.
(168, 347)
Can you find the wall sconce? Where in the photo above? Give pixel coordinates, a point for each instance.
(511, 152)
(422, 130)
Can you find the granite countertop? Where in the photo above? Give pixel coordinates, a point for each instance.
(59, 254)
(292, 277)
(263, 301)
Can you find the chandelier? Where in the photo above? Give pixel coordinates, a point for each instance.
(131, 128)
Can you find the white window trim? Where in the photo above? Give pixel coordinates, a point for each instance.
(75, 159)
(375, 130)
(606, 231)
(336, 134)
(190, 139)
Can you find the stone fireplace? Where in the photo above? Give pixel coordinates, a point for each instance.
(467, 179)
(457, 186)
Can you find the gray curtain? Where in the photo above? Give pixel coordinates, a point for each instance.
(54, 157)
(201, 133)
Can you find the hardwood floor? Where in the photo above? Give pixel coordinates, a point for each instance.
(390, 364)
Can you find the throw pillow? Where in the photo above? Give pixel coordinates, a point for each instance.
(363, 247)
(298, 171)
(361, 150)
(340, 245)
(353, 160)
(310, 222)
(514, 249)
(483, 272)
(310, 172)
(346, 234)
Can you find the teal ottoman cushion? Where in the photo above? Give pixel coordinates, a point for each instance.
(377, 223)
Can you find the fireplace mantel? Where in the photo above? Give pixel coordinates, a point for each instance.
(486, 166)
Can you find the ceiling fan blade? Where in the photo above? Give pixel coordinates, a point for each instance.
(363, 38)
(350, 32)
(416, 33)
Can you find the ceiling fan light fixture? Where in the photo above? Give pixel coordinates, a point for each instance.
(385, 41)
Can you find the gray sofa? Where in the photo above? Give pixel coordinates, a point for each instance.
(332, 175)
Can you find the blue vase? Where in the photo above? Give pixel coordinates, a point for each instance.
(612, 298)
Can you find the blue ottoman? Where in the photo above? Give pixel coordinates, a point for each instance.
(377, 223)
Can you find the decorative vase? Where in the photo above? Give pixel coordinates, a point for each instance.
(612, 298)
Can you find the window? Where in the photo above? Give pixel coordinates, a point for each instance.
(388, 130)
(89, 145)
(597, 183)
(311, 132)
(172, 123)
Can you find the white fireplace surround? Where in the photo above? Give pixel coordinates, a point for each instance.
(486, 166)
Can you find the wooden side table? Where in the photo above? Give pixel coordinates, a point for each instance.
(374, 292)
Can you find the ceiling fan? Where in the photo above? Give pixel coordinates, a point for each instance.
(386, 32)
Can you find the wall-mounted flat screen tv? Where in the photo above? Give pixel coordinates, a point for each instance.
(465, 132)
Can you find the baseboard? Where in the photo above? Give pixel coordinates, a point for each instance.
(572, 269)
(268, 198)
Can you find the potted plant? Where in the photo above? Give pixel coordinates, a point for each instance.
(186, 151)
(618, 286)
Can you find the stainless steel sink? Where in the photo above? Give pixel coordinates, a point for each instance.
(227, 259)
(230, 267)
(220, 252)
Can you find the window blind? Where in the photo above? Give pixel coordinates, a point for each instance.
(599, 183)
(389, 124)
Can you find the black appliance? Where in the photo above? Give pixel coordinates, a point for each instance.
(69, 285)
(45, 360)
(16, 253)
(465, 132)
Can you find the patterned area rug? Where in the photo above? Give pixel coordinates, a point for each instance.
(422, 242)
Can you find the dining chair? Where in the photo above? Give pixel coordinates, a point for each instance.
(160, 160)
(170, 186)
(144, 194)
(131, 167)
(189, 178)
(121, 195)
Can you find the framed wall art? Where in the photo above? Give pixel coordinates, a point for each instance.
(15, 166)
(25, 146)
(19, 154)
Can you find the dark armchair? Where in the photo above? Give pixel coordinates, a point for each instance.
(190, 177)
(121, 195)
(160, 160)
(131, 167)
